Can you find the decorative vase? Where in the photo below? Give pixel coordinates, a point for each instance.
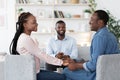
(74, 1)
(86, 15)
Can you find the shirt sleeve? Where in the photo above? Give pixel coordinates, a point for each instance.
(74, 53)
(84, 66)
(49, 49)
(98, 47)
(33, 49)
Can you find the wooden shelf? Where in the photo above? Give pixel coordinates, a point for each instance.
(69, 4)
(38, 4)
(33, 4)
(45, 14)
(41, 33)
(53, 33)
(63, 18)
(71, 19)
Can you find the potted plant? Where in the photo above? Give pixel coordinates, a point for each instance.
(87, 13)
(20, 10)
(92, 7)
(114, 26)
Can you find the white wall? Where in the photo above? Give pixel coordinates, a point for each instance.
(111, 5)
(7, 34)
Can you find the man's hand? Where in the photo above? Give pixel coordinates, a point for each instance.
(59, 55)
(75, 65)
(67, 61)
(66, 57)
(72, 66)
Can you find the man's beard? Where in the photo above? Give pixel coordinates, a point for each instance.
(61, 34)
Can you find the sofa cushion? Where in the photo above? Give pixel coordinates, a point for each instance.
(84, 52)
(20, 67)
(108, 67)
(2, 70)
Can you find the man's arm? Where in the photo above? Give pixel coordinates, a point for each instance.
(75, 66)
(98, 48)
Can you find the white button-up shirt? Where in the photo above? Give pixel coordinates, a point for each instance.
(68, 46)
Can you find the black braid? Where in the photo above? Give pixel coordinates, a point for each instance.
(19, 29)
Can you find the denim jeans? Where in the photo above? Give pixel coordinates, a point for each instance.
(78, 75)
(49, 75)
(51, 67)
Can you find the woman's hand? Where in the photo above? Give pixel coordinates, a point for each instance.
(65, 62)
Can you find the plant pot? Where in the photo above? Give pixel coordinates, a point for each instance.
(86, 15)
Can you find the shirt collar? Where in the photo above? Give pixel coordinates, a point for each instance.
(66, 37)
(102, 29)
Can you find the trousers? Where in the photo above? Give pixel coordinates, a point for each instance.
(50, 75)
(79, 74)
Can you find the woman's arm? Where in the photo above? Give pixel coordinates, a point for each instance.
(29, 45)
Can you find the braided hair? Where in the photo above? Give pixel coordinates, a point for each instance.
(19, 29)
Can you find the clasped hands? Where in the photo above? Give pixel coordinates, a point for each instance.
(65, 58)
(70, 63)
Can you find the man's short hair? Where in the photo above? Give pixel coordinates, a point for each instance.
(59, 22)
(102, 15)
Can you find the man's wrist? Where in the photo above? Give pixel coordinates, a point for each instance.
(79, 66)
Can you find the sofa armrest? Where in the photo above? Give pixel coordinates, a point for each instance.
(108, 67)
(2, 70)
(2, 60)
(20, 67)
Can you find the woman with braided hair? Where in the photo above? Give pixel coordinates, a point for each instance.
(23, 43)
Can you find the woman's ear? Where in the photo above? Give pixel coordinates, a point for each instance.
(24, 24)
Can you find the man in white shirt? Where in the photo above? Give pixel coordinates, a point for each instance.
(61, 46)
